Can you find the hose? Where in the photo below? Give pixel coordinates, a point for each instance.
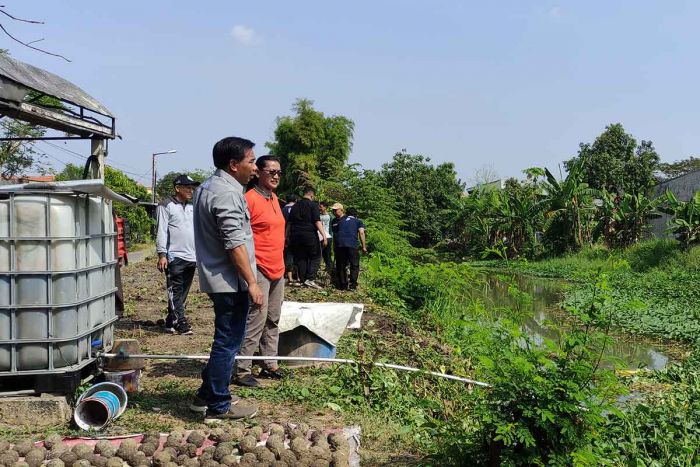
(302, 359)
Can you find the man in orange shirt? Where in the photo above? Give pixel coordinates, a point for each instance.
(267, 223)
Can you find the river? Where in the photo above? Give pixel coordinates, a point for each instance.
(545, 317)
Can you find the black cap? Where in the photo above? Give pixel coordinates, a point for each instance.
(185, 180)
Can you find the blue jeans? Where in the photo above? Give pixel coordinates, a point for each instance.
(231, 312)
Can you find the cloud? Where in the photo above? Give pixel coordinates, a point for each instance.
(245, 35)
(555, 12)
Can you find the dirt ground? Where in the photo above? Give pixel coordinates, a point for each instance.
(167, 386)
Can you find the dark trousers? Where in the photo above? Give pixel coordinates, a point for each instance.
(307, 259)
(326, 255)
(345, 256)
(230, 314)
(178, 279)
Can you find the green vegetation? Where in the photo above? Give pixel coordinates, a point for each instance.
(164, 187)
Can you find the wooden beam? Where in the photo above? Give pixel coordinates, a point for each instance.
(53, 119)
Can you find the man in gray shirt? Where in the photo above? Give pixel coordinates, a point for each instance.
(226, 261)
(176, 253)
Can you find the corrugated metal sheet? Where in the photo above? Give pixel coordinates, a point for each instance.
(48, 83)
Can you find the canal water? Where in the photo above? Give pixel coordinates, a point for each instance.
(545, 316)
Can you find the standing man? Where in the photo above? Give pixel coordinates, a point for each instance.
(176, 252)
(349, 227)
(226, 263)
(288, 257)
(267, 223)
(302, 227)
(326, 250)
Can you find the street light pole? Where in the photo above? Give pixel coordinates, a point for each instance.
(153, 171)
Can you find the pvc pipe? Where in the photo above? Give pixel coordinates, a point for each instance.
(302, 359)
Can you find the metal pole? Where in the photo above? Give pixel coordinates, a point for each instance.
(302, 359)
(153, 179)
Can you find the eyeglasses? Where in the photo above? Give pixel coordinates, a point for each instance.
(273, 173)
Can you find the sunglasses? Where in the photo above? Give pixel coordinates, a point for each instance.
(273, 173)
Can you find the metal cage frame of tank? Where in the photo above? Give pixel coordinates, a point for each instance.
(95, 333)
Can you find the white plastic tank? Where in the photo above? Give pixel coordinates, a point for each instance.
(57, 289)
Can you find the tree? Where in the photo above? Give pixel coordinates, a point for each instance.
(164, 187)
(311, 146)
(678, 168)
(139, 221)
(625, 218)
(685, 224)
(428, 195)
(616, 163)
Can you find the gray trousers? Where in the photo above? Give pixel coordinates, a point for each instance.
(262, 325)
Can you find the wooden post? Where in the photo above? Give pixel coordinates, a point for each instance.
(97, 168)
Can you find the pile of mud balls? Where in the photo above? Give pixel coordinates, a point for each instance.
(285, 445)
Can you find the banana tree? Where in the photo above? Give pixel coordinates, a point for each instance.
(568, 209)
(685, 223)
(625, 218)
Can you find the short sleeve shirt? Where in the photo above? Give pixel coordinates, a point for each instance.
(302, 223)
(348, 227)
(267, 222)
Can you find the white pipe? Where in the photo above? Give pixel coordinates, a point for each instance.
(302, 359)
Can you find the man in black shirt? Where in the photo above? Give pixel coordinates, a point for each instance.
(303, 224)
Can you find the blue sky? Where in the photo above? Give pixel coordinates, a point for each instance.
(507, 85)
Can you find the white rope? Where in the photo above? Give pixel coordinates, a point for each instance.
(347, 361)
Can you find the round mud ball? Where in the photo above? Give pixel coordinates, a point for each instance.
(236, 434)
(274, 439)
(115, 462)
(256, 431)
(81, 463)
(215, 434)
(222, 450)
(299, 446)
(279, 464)
(340, 459)
(181, 459)
(276, 448)
(151, 436)
(306, 459)
(226, 437)
(35, 457)
(303, 427)
(171, 464)
(322, 443)
(229, 460)
(210, 463)
(172, 451)
(104, 448)
(172, 442)
(296, 433)
(161, 458)
(209, 449)
(81, 450)
(148, 449)
(320, 453)
(263, 454)
(206, 456)
(52, 439)
(320, 463)
(249, 457)
(190, 450)
(288, 456)
(9, 457)
(20, 464)
(23, 447)
(4, 445)
(338, 441)
(140, 458)
(69, 457)
(247, 444)
(276, 429)
(197, 438)
(191, 463)
(99, 461)
(55, 463)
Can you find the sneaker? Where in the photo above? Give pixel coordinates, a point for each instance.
(235, 412)
(246, 380)
(295, 284)
(312, 285)
(183, 328)
(199, 405)
(273, 374)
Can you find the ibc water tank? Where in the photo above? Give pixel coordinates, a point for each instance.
(57, 287)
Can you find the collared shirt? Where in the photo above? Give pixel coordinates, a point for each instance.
(221, 223)
(348, 228)
(267, 223)
(175, 233)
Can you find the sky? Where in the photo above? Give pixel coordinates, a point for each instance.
(490, 86)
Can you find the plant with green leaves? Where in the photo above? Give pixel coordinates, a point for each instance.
(625, 218)
(685, 223)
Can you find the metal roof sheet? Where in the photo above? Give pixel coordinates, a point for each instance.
(48, 83)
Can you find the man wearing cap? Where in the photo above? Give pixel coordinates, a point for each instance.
(348, 229)
(176, 252)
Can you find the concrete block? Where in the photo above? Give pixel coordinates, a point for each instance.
(34, 411)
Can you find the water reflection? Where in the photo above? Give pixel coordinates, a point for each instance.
(545, 318)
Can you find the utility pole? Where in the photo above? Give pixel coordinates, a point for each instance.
(153, 171)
